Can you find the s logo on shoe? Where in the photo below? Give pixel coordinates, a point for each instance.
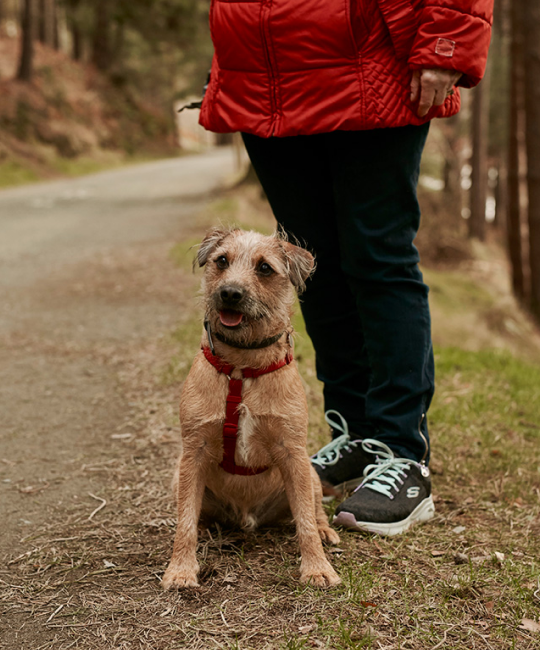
(413, 492)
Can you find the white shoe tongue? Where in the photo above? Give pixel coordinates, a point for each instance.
(230, 318)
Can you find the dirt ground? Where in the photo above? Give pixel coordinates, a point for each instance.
(86, 286)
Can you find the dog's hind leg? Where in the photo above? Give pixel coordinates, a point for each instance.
(183, 567)
(327, 534)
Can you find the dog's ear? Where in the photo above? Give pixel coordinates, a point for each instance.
(212, 240)
(300, 262)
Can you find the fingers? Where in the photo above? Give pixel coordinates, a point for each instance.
(428, 91)
(440, 96)
(431, 87)
(415, 86)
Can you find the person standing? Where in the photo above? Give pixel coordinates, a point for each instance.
(334, 100)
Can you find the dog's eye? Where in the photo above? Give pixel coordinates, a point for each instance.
(265, 269)
(222, 262)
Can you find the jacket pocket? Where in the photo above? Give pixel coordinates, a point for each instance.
(357, 22)
(402, 21)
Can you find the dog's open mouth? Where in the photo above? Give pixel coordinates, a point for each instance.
(230, 317)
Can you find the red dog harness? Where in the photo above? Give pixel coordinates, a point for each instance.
(232, 415)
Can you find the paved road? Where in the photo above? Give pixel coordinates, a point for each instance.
(44, 225)
(84, 272)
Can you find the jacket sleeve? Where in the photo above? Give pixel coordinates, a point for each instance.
(454, 34)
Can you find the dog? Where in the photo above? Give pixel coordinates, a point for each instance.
(243, 410)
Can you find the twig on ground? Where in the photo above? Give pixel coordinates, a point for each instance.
(59, 608)
(100, 507)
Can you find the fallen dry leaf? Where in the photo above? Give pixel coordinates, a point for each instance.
(437, 553)
(31, 489)
(306, 629)
(529, 625)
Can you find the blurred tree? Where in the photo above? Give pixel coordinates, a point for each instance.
(479, 174)
(499, 106)
(532, 122)
(27, 41)
(101, 41)
(47, 22)
(515, 147)
(74, 25)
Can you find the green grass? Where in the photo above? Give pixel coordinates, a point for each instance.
(13, 173)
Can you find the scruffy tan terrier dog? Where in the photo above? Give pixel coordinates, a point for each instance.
(243, 409)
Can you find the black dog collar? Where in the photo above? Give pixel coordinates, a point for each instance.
(255, 345)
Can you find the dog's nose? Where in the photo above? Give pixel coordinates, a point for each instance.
(231, 294)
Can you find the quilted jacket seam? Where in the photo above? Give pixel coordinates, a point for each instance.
(361, 87)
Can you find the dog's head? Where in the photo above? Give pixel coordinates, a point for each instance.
(249, 282)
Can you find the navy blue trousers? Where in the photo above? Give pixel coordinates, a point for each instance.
(350, 196)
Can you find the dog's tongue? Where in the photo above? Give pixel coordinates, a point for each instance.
(230, 318)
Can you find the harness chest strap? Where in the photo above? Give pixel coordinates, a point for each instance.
(232, 413)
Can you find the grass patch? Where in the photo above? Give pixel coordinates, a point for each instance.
(13, 173)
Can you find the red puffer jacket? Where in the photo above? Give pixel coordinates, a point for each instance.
(290, 67)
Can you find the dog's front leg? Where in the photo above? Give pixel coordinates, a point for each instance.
(295, 469)
(183, 567)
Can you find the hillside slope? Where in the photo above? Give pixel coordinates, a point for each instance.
(70, 112)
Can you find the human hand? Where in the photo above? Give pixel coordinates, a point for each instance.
(431, 86)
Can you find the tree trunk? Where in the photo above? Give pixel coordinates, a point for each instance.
(532, 121)
(451, 170)
(27, 42)
(515, 145)
(479, 177)
(46, 20)
(41, 20)
(101, 52)
(76, 37)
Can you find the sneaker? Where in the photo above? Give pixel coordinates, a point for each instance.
(340, 464)
(395, 493)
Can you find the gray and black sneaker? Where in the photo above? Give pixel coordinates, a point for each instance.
(395, 493)
(341, 463)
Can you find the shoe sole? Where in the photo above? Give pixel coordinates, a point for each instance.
(423, 512)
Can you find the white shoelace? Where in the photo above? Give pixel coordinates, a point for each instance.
(389, 471)
(332, 452)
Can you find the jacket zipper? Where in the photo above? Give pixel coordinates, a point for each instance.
(265, 33)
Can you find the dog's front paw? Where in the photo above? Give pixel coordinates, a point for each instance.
(179, 578)
(322, 575)
(328, 535)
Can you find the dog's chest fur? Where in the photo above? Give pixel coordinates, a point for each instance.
(268, 402)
